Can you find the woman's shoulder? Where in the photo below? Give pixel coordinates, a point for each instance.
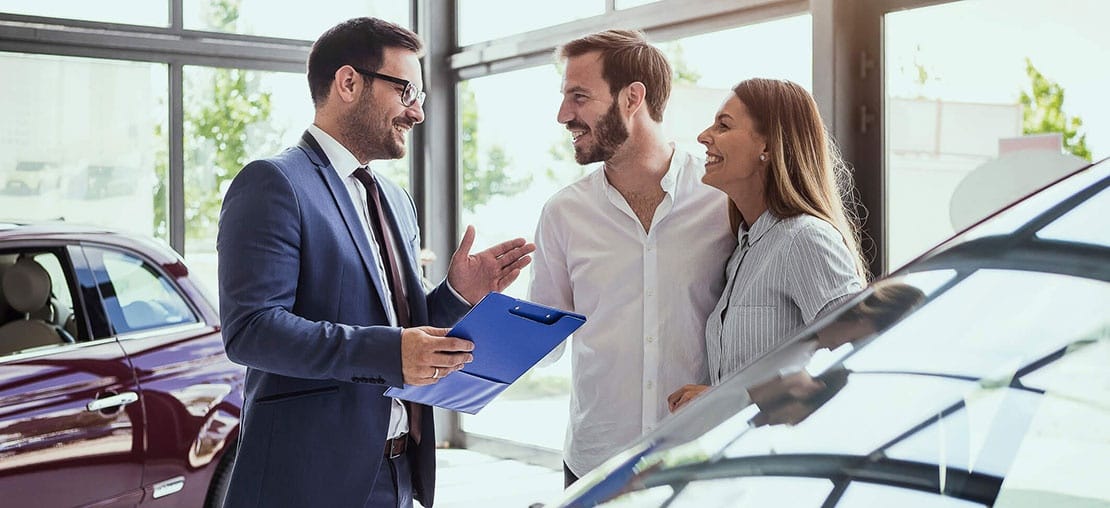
(808, 225)
(807, 233)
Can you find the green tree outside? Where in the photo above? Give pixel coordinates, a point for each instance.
(1043, 112)
(216, 133)
(481, 182)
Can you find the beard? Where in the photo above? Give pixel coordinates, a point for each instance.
(369, 136)
(609, 134)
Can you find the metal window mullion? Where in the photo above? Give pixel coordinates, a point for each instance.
(176, 174)
(436, 180)
(665, 20)
(177, 15)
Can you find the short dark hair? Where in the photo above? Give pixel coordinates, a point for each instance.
(626, 57)
(358, 41)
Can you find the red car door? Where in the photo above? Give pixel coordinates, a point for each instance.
(70, 415)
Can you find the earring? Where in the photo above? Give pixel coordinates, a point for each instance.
(762, 157)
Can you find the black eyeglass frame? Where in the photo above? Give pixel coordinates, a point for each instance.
(414, 96)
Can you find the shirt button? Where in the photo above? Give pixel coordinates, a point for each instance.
(650, 385)
(650, 292)
(650, 338)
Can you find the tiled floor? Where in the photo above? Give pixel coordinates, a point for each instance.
(468, 479)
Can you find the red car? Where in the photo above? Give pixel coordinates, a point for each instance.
(114, 386)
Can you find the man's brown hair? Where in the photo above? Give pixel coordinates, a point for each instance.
(627, 57)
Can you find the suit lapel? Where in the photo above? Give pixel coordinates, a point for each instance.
(346, 210)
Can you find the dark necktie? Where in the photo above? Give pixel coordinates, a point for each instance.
(393, 266)
(383, 236)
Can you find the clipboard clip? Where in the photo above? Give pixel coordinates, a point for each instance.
(535, 314)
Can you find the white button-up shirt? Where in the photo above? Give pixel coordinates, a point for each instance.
(646, 296)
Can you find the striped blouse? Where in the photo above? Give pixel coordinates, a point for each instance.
(783, 273)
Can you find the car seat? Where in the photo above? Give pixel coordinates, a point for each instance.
(26, 287)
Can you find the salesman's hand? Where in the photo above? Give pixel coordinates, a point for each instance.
(474, 275)
(684, 395)
(428, 354)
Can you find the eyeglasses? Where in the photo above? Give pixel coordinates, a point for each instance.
(409, 96)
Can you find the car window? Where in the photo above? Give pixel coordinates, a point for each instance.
(990, 325)
(753, 492)
(1082, 223)
(862, 494)
(36, 304)
(142, 298)
(1068, 427)
(982, 436)
(886, 405)
(58, 282)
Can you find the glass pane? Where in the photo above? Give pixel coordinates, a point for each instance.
(973, 125)
(1028, 209)
(625, 4)
(859, 494)
(483, 20)
(293, 20)
(82, 140)
(762, 491)
(890, 403)
(1066, 451)
(28, 321)
(1075, 226)
(132, 12)
(981, 437)
(702, 82)
(515, 156)
(145, 299)
(990, 325)
(232, 116)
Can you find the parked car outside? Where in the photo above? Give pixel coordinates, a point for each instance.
(32, 177)
(114, 386)
(976, 375)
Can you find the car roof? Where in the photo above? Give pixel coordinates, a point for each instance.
(58, 231)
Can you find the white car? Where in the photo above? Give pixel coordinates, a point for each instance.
(977, 375)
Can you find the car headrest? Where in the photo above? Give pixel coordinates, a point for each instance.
(26, 285)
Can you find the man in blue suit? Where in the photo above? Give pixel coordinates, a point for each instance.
(322, 300)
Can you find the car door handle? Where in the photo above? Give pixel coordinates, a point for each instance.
(121, 399)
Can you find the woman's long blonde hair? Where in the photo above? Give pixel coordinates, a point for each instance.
(805, 173)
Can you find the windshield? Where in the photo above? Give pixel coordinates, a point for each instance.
(977, 378)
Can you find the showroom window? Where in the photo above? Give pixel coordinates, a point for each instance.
(514, 155)
(293, 20)
(484, 20)
(963, 114)
(82, 140)
(132, 12)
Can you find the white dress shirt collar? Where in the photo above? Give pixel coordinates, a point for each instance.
(342, 160)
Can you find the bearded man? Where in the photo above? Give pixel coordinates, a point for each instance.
(639, 246)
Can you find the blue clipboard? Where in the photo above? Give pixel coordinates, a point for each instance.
(510, 336)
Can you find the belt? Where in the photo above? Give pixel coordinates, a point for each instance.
(396, 447)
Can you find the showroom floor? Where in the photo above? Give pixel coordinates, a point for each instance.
(468, 479)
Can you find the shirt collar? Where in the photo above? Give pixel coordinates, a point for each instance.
(760, 227)
(670, 178)
(342, 160)
(669, 181)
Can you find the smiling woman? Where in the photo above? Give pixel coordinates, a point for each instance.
(798, 251)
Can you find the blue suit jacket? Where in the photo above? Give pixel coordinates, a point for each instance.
(302, 308)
